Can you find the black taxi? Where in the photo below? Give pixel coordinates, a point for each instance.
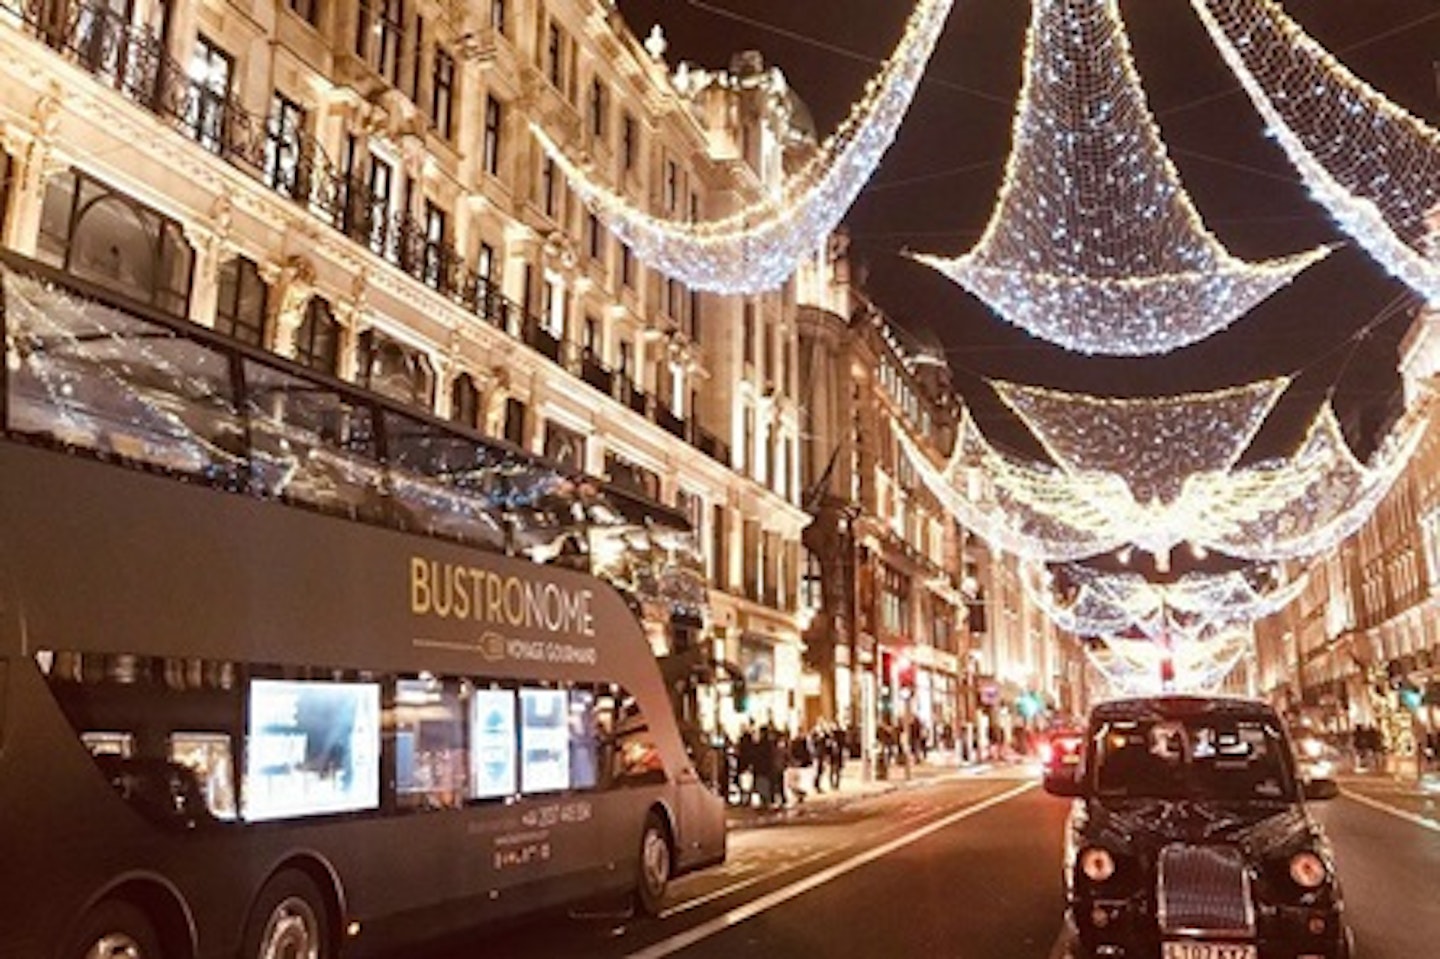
(1189, 837)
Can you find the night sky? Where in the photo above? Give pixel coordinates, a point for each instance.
(935, 188)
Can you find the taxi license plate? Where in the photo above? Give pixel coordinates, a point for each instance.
(1207, 950)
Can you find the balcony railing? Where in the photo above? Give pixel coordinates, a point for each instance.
(132, 60)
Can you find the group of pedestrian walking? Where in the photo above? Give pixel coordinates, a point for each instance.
(775, 768)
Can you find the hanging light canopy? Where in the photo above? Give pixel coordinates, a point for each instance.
(1093, 243)
(757, 247)
(1373, 165)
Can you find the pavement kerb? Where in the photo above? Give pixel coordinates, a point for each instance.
(752, 819)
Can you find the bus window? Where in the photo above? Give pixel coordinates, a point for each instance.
(311, 444)
(313, 747)
(584, 740)
(210, 758)
(428, 723)
(635, 759)
(91, 376)
(544, 740)
(493, 758)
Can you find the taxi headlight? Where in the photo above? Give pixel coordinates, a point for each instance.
(1308, 870)
(1097, 864)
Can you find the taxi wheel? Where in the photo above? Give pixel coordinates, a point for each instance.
(115, 929)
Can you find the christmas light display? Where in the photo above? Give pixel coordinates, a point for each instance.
(1289, 507)
(1373, 165)
(1136, 667)
(1152, 444)
(1093, 243)
(1090, 602)
(756, 247)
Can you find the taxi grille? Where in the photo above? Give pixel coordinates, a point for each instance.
(1204, 889)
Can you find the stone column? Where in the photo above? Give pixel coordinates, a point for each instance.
(291, 285)
(34, 163)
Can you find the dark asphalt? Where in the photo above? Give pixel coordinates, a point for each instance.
(949, 870)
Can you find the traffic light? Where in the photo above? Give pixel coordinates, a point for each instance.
(1030, 704)
(904, 672)
(1411, 697)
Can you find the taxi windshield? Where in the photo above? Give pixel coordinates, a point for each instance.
(1201, 757)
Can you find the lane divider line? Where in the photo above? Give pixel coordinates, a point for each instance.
(1376, 804)
(755, 907)
(724, 891)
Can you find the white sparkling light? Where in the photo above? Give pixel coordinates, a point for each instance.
(1368, 161)
(758, 246)
(1093, 243)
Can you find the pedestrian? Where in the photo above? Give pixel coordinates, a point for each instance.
(764, 766)
(800, 759)
(819, 750)
(837, 743)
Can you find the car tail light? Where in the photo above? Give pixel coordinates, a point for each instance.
(1308, 870)
(1097, 864)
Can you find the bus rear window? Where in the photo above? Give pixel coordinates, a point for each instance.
(312, 748)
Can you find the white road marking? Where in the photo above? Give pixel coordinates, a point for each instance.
(750, 910)
(1410, 817)
(724, 891)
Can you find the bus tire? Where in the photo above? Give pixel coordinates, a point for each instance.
(115, 929)
(288, 919)
(656, 865)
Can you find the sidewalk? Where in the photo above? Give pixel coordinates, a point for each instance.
(854, 785)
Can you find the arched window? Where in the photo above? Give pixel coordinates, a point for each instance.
(465, 401)
(241, 309)
(317, 342)
(395, 370)
(107, 238)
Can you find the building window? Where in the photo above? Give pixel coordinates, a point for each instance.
(515, 421)
(434, 257)
(284, 171)
(211, 69)
(95, 233)
(553, 46)
(391, 369)
(442, 93)
(417, 60)
(391, 29)
(594, 238)
(307, 10)
(317, 341)
(629, 143)
(627, 267)
(549, 187)
(465, 401)
(565, 446)
(378, 215)
(491, 146)
(243, 302)
(598, 106)
(7, 168)
(672, 185)
(592, 335)
(747, 333)
(497, 16)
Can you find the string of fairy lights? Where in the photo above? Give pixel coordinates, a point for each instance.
(1374, 166)
(1093, 243)
(756, 247)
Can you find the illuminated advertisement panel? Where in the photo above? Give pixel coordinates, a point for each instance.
(312, 748)
(492, 743)
(544, 740)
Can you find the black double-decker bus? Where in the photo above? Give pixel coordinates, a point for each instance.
(279, 673)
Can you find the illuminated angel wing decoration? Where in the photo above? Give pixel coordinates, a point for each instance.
(757, 247)
(1373, 165)
(1094, 243)
(1153, 444)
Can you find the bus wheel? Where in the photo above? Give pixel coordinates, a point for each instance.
(288, 921)
(655, 865)
(116, 930)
